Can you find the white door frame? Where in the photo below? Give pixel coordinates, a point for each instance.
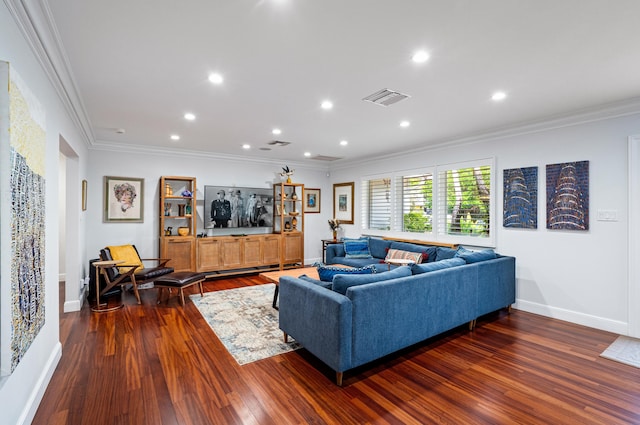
(634, 236)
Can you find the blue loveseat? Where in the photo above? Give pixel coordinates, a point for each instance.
(374, 319)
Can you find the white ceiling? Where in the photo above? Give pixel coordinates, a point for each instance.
(140, 65)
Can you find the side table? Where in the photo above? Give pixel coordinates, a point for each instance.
(399, 262)
(326, 242)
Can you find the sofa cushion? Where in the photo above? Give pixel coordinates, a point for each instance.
(379, 247)
(443, 253)
(341, 282)
(315, 281)
(436, 265)
(356, 248)
(326, 273)
(395, 254)
(475, 256)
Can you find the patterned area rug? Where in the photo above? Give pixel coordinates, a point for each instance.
(624, 350)
(245, 322)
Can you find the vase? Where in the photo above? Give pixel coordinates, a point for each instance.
(294, 223)
(181, 209)
(183, 231)
(335, 235)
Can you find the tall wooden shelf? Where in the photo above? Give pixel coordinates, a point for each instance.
(178, 211)
(288, 221)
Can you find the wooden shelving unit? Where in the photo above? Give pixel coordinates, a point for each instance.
(177, 221)
(288, 221)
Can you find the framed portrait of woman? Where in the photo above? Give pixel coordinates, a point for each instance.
(123, 199)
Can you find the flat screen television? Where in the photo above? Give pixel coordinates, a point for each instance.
(238, 210)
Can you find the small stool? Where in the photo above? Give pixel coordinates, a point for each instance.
(179, 280)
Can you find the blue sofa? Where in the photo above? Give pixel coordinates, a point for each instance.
(375, 319)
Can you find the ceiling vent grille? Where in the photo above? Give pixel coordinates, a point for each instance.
(385, 97)
(326, 158)
(279, 143)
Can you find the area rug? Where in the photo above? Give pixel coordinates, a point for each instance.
(245, 322)
(624, 350)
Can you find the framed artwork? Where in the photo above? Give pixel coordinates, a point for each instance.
(84, 195)
(343, 202)
(568, 196)
(520, 203)
(123, 199)
(311, 200)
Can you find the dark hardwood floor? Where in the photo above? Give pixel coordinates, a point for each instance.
(162, 364)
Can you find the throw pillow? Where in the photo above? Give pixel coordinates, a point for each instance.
(356, 248)
(342, 282)
(326, 273)
(394, 254)
(126, 253)
(436, 265)
(443, 253)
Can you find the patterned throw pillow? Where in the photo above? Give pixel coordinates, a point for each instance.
(357, 248)
(395, 254)
(326, 273)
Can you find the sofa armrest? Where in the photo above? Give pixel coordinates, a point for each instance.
(334, 250)
(319, 319)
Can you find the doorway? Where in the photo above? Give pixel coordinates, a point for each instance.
(634, 236)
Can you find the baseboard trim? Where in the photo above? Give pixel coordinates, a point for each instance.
(75, 305)
(31, 407)
(617, 327)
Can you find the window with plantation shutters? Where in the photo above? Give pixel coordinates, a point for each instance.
(451, 203)
(377, 198)
(464, 200)
(417, 202)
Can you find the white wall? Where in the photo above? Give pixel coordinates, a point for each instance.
(207, 171)
(575, 276)
(20, 392)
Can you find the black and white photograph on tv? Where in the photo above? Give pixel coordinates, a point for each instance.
(230, 210)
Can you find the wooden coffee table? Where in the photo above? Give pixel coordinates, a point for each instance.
(274, 277)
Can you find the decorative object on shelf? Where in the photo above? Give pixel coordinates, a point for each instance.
(186, 194)
(183, 231)
(187, 210)
(334, 224)
(168, 190)
(293, 212)
(287, 226)
(123, 199)
(294, 223)
(294, 195)
(311, 198)
(287, 172)
(168, 231)
(181, 209)
(343, 202)
(167, 208)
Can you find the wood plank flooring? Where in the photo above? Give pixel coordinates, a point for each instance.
(162, 364)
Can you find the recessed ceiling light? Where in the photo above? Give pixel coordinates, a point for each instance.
(246, 146)
(327, 104)
(420, 56)
(343, 143)
(175, 137)
(216, 78)
(189, 116)
(498, 96)
(307, 154)
(276, 131)
(404, 124)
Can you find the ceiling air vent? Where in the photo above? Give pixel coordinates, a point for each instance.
(279, 143)
(385, 97)
(326, 158)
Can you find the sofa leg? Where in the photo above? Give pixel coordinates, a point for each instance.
(286, 337)
(472, 324)
(339, 378)
(509, 309)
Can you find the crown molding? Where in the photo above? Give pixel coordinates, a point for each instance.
(35, 21)
(601, 112)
